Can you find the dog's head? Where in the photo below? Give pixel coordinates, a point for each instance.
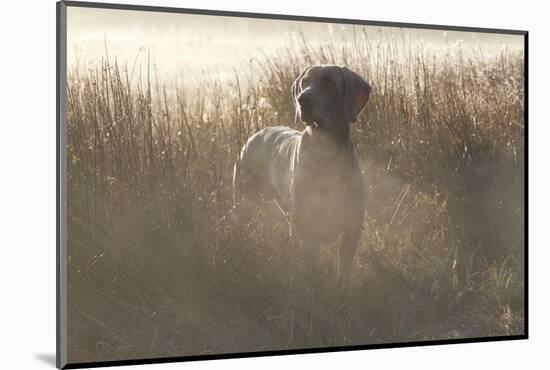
(327, 95)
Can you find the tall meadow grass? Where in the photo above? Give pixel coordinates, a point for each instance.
(157, 267)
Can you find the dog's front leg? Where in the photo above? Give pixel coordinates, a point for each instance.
(346, 255)
(311, 253)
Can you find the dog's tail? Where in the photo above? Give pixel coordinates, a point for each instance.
(236, 182)
(239, 193)
(243, 200)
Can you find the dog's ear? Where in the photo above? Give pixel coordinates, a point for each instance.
(296, 90)
(356, 94)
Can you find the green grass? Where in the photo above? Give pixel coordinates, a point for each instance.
(157, 268)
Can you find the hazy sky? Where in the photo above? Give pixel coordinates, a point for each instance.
(190, 44)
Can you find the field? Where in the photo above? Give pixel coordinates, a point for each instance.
(158, 268)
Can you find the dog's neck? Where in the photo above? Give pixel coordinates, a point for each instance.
(331, 140)
(337, 134)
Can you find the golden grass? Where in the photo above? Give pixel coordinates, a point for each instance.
(157, 268)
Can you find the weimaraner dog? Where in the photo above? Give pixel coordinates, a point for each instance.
(314, 174)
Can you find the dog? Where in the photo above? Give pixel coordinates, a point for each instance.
(313, 175)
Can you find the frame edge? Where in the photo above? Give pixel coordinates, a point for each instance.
(288, 17)
(61, 201)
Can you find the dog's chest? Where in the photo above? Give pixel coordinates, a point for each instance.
(326, 198)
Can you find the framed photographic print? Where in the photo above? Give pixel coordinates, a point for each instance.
(236, 184)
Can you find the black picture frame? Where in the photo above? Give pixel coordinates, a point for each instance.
(61, 185)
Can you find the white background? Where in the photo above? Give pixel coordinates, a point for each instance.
(27, 182)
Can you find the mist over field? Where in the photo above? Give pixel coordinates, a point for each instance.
(159, 106)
